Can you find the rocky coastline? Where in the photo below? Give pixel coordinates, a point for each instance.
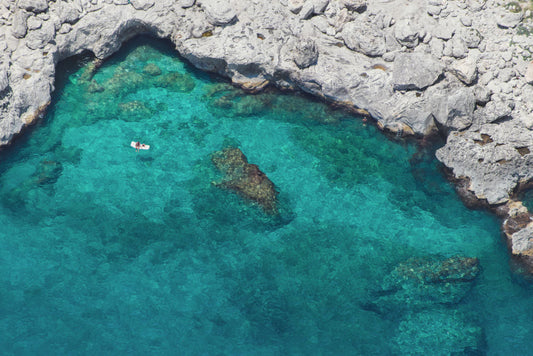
(462, 69)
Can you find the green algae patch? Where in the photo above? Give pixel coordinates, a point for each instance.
(174, 81)
(152, 69)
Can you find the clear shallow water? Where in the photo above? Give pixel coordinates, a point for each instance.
(109, 251)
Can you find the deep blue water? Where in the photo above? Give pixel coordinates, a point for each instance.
(106, 251)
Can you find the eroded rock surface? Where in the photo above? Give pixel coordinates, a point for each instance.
(415, 66)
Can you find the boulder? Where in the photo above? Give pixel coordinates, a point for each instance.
(305, 53)
(508, 19)
(68, 13)
(406, 34)
(142, 4)
(529, 73)
(295, 6)
(454, 109)
(415, 71)
(444, 30)
(355, 5)
(307, 10)
(34, 23)
(35, 6)
(363, 37)
(457, 48)
(471, 37)
(497, 108)
(39, 38)
(319, 6)
(219, 13)
(185, 4)
(20, 26)
(245, 179)
(465, 70)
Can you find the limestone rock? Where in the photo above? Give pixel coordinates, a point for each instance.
(465, 70)
(4, 80)
(436, 47)
(34, 23)
(295, 6)
(482, 94)
(508, 19)
(142, 4)
(307, 10)
(406, 34)
(65, 28)
(466, 21)
(454, 110)
(529, 73)
(39, 38)
(476, 5)
(496, 109)
(219, 13)
(415, 71)
(522, 241)
(20, 26)
(457, 47)
(185, 4)
(471, 37)
(444, 30)
(355, 5)
(68, 13)
(319, 6)
(365, 38)
(33, 5)
(490, 157)
(305, 54)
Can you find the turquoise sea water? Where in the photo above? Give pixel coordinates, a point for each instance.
(106, 251)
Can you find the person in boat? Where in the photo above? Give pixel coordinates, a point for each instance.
(137, 146)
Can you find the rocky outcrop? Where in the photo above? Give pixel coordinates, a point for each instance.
(414, 66)
(415, 71)
(245, 179)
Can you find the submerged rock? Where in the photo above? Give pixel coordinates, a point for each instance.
(245, 179)
(48, 172)
(420, 283)
(444, 332)
(175, 81)
(152, 69)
